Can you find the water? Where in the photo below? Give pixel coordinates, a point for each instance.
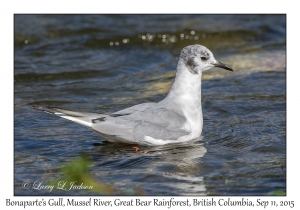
(104, 63)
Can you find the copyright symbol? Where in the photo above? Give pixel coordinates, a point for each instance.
(26, 185)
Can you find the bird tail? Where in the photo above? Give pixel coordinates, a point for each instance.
(82, 118)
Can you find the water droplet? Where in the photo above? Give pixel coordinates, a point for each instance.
(150, 37)
(186, 36)
(196, 37)
(164, 36)
(192, 32)
(172, 39)
(111, 43)
(117, 43)
(181, 35)
(26, 41)
(125, 41)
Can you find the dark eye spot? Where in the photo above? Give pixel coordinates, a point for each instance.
(190, 62)
(204, 58)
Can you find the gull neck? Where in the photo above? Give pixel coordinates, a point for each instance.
(186, 84)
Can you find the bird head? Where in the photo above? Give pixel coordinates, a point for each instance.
(198, 59)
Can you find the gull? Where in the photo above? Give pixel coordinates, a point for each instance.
(177, 118)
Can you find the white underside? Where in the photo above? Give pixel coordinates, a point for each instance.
(156, 142)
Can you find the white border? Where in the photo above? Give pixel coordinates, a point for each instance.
(8, 8)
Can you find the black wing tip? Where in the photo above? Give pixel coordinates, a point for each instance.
(47, 110)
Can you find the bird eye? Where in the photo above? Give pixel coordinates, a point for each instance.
(203, 58)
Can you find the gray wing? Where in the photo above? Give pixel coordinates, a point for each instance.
(136, 108)
(134, 123)
(130, 125)
(160, 123)
(118, 127)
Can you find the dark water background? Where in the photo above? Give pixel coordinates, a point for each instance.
(104, 63)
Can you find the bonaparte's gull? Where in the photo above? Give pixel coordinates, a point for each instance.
(177, 118)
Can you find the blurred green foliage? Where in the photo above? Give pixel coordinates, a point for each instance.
(277, 192)
(78, 172)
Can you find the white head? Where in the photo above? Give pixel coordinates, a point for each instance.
(198, 59)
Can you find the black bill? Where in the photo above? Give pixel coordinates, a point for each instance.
(222, 65)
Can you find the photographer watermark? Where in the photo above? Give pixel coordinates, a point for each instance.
(61, 185)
